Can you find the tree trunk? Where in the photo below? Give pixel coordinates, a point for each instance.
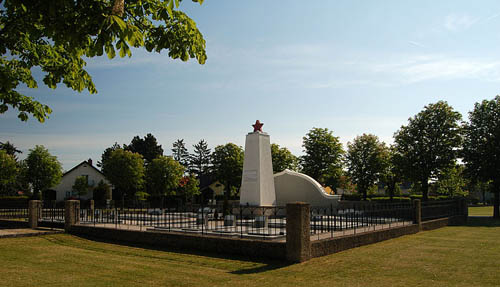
(496, 201)
(425, 189)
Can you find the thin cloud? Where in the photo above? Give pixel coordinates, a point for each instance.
(455, 22)
(417, 44)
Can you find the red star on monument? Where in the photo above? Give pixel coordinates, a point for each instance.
(257, 127)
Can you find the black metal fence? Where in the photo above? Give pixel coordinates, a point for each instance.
(352, 217)
(52, 211)
(440, 209)
(237, 221)
(14, 213)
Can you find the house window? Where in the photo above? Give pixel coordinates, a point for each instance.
(68, 194)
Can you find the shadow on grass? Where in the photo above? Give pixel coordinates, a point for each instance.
(268, 264)
(482, 221)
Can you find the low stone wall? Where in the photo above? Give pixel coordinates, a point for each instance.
(6, 223)
(334, 245)
(178, 241)
(442, 222)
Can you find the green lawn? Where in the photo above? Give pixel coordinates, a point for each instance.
(481, 211)
(450, 256)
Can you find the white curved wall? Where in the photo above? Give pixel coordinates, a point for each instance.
(291, 186)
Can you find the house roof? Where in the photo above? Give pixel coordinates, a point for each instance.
(89, 162)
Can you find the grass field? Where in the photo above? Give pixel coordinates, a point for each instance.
(481, 211)
(450, 256)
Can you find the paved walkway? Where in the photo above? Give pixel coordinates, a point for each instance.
(25, 232)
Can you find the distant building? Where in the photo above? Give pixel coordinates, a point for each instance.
(64, 189)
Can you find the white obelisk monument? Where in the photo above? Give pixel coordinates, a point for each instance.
(257, 182)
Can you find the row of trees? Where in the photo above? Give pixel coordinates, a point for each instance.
(435, 148)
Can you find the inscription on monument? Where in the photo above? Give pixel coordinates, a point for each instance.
(250, 176)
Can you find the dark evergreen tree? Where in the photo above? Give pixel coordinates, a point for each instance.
(200, 159)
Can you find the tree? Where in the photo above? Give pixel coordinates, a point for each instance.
(43, 170)
(282, 159)
(107, 153)
(199, 161)
(163, 175)
(227, 164)
(429, 143)
(56, 36)
(189, 186)
(481, 148)
(392, 176)
(180, 153)
(366, 160)
(10, 149)
(8, 172)
(81, 186)
(323, 157)
(102, 191)
(451, 182)
(125, 170)
(147, 147)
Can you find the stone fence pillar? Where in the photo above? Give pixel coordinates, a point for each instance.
(417, 206)
(71, 213)
(34, 212)
(298, 234)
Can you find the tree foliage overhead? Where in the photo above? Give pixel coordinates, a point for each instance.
(283, 159)
(429, 143)
(147, 147)
(200, 160)
(366, 160)
(323, 156)
(125, 170)
(163, 175)
(43, 169)
(481, 148)
(55, 36)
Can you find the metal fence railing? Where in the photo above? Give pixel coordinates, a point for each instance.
(14, 213)
(439, 209)
(353, 217)
(237, 221)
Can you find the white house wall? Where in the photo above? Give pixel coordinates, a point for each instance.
(66, 185)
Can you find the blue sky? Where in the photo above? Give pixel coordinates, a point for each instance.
(353, 67)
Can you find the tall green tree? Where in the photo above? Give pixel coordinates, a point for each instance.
(8, 172)
(81, 186)
(43, 170)
(107, 154)
(481, 148)
(227, 164)
(392, 176)
(283, 159)
(56, 36)
(125, 170)
(323, 157)
(199, 160)
(180, 153)
(429, 143)
(164, 175)
(147, 147)
(10, 149)
(366, 161)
